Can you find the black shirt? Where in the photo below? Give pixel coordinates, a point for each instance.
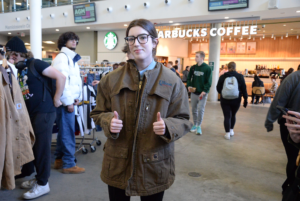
(273, 73)
(33, 89)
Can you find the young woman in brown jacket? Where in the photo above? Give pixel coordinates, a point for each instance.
(143, 108)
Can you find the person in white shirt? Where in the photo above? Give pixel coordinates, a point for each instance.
(66, 63)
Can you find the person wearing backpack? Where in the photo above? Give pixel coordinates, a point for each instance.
(232, 87)
(66, 62)
(200, 77)
(35, 79)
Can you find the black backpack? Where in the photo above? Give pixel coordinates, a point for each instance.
(50, 86)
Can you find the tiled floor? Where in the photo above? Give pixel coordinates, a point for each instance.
(249, 167)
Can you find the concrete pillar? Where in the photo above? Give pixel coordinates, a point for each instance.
(36, 28)
(214, 56)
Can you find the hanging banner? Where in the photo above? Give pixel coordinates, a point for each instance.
(189, 33)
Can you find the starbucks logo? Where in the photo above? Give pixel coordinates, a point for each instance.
(110, 40)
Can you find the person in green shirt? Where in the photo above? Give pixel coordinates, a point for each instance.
(200, 77)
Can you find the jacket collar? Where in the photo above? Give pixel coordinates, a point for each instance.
(5, 75)
(69, 52)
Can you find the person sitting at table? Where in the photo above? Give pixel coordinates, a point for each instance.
(274, 86)
(256, 83)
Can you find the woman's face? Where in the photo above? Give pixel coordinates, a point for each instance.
(141, 51)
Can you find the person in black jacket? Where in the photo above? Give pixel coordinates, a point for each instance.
(256, 83)
(230, 107)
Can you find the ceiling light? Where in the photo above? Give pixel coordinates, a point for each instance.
(9, 33)
(226, 17)
(26, 44)
(298, 11)
(170, 21)
(287, 35)
(56, 29)
(49, 42)
(19, 4)
(284, 25)
(177, 28)
(125, 25)
(292, 29)
(88, 27)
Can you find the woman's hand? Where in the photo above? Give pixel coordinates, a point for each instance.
(293, 125)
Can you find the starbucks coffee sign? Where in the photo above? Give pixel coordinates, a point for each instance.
(245, 30)
(110, 40)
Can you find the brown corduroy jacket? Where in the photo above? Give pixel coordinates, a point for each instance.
(137, 159)
(16, 133)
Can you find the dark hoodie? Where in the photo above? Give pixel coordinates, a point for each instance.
(241, 81)
(257, 82)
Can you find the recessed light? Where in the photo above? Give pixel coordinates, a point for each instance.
(56, 29)
(226, 17)
(125, 25)
(49, 42)
(170, 21)
(292, 29)
(88, 27)
(9, 33)
(298, 11)
(26, 44)
(284, 25)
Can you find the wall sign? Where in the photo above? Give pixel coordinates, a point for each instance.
(110, 40)
(245, 30)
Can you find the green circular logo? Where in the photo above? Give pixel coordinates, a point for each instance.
(110, 40)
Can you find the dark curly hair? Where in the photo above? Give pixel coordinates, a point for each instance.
(126, 49)
(63, 39)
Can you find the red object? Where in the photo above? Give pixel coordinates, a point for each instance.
(77, 133)
(85, 79)
(200, 97)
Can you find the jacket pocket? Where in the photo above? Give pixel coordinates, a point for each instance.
(156, 168)
(115, 163)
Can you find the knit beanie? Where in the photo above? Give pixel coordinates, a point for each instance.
(15, 45)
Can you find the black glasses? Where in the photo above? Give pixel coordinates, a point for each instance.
(73, 39)
(142, 38)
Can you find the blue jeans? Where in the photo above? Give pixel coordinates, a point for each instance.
(65, 148)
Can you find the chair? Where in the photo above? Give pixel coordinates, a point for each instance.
(259, 91)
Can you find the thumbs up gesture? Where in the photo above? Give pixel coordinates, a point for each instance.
(159, 127)
(116, 125)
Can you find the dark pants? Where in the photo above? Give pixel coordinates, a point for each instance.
(230, 108)
(292, 153)
(116, 194)
(255, 97)
(42, 124)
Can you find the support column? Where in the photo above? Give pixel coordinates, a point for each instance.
(36, 28)
(2, 6)
(214, 56)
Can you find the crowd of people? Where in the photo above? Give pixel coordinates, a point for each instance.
(143, 108)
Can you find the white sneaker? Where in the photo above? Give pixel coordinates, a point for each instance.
(227, 136)
(194, 128)
(28, 184)
(37, 191)
(231, 132)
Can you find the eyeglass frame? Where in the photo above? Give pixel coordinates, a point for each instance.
(76, 40)
(126, 38)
